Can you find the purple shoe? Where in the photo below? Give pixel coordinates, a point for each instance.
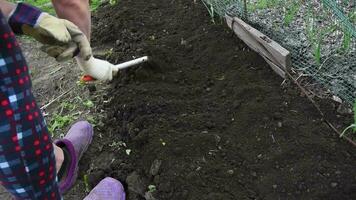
(108, 189)
(76, 143)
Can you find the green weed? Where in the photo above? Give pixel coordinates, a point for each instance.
(291, 13)
(86, 183)
(59, 122)
(152, 188)
(346, 42)
(88, 103)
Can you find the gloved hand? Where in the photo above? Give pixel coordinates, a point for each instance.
(62, 37)
(96, 68)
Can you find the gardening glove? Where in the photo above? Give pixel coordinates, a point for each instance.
(59, 34)
(98, 69)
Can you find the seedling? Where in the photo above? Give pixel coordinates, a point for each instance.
(86, 183)
(59, 122)
(88, 103)
(152, 188)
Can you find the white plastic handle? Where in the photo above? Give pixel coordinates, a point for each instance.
(131, 63)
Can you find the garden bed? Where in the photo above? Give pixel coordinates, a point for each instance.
(208, 120)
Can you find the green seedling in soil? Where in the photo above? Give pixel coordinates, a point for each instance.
(352, 126)
(67, 106)
(152, 188)
(86, 183)
(88, 103)
(113, 2)
(59, 122)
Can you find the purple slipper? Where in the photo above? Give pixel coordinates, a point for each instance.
(108, 189)
(76, 143)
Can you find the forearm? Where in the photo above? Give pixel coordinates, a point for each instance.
(76, 11)
(6, 7)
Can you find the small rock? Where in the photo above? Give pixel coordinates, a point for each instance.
(279, 124)
(333, 184)
(231, 172)
(155, 167)
(274, 186)
(254, 174)
(204, 132)
(208, 89)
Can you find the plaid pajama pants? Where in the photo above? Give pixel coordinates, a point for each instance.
(27, 163)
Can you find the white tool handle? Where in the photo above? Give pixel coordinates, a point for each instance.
(131, 63)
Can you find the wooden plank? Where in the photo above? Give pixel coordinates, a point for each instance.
(275, 55)
(275, 68)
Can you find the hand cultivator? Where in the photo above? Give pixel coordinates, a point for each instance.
(116, 68)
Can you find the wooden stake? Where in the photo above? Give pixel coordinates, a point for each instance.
(275, 55)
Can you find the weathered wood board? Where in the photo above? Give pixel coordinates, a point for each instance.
(276, 56)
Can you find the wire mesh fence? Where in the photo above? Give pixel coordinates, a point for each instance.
(320, 34)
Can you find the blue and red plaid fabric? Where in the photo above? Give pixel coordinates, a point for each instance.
(23, 14)
(27, 163)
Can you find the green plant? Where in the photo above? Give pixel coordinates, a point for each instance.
(59, 122)
(88, 103)
(346, 42)
(152, 188)
(113, 2)
(291, 13)
(316, 34)
(86, 183)
(262, 4)
(352, 126)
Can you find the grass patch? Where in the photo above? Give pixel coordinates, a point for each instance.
(69, 111)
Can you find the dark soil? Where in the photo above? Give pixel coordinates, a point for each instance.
(209, 119)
